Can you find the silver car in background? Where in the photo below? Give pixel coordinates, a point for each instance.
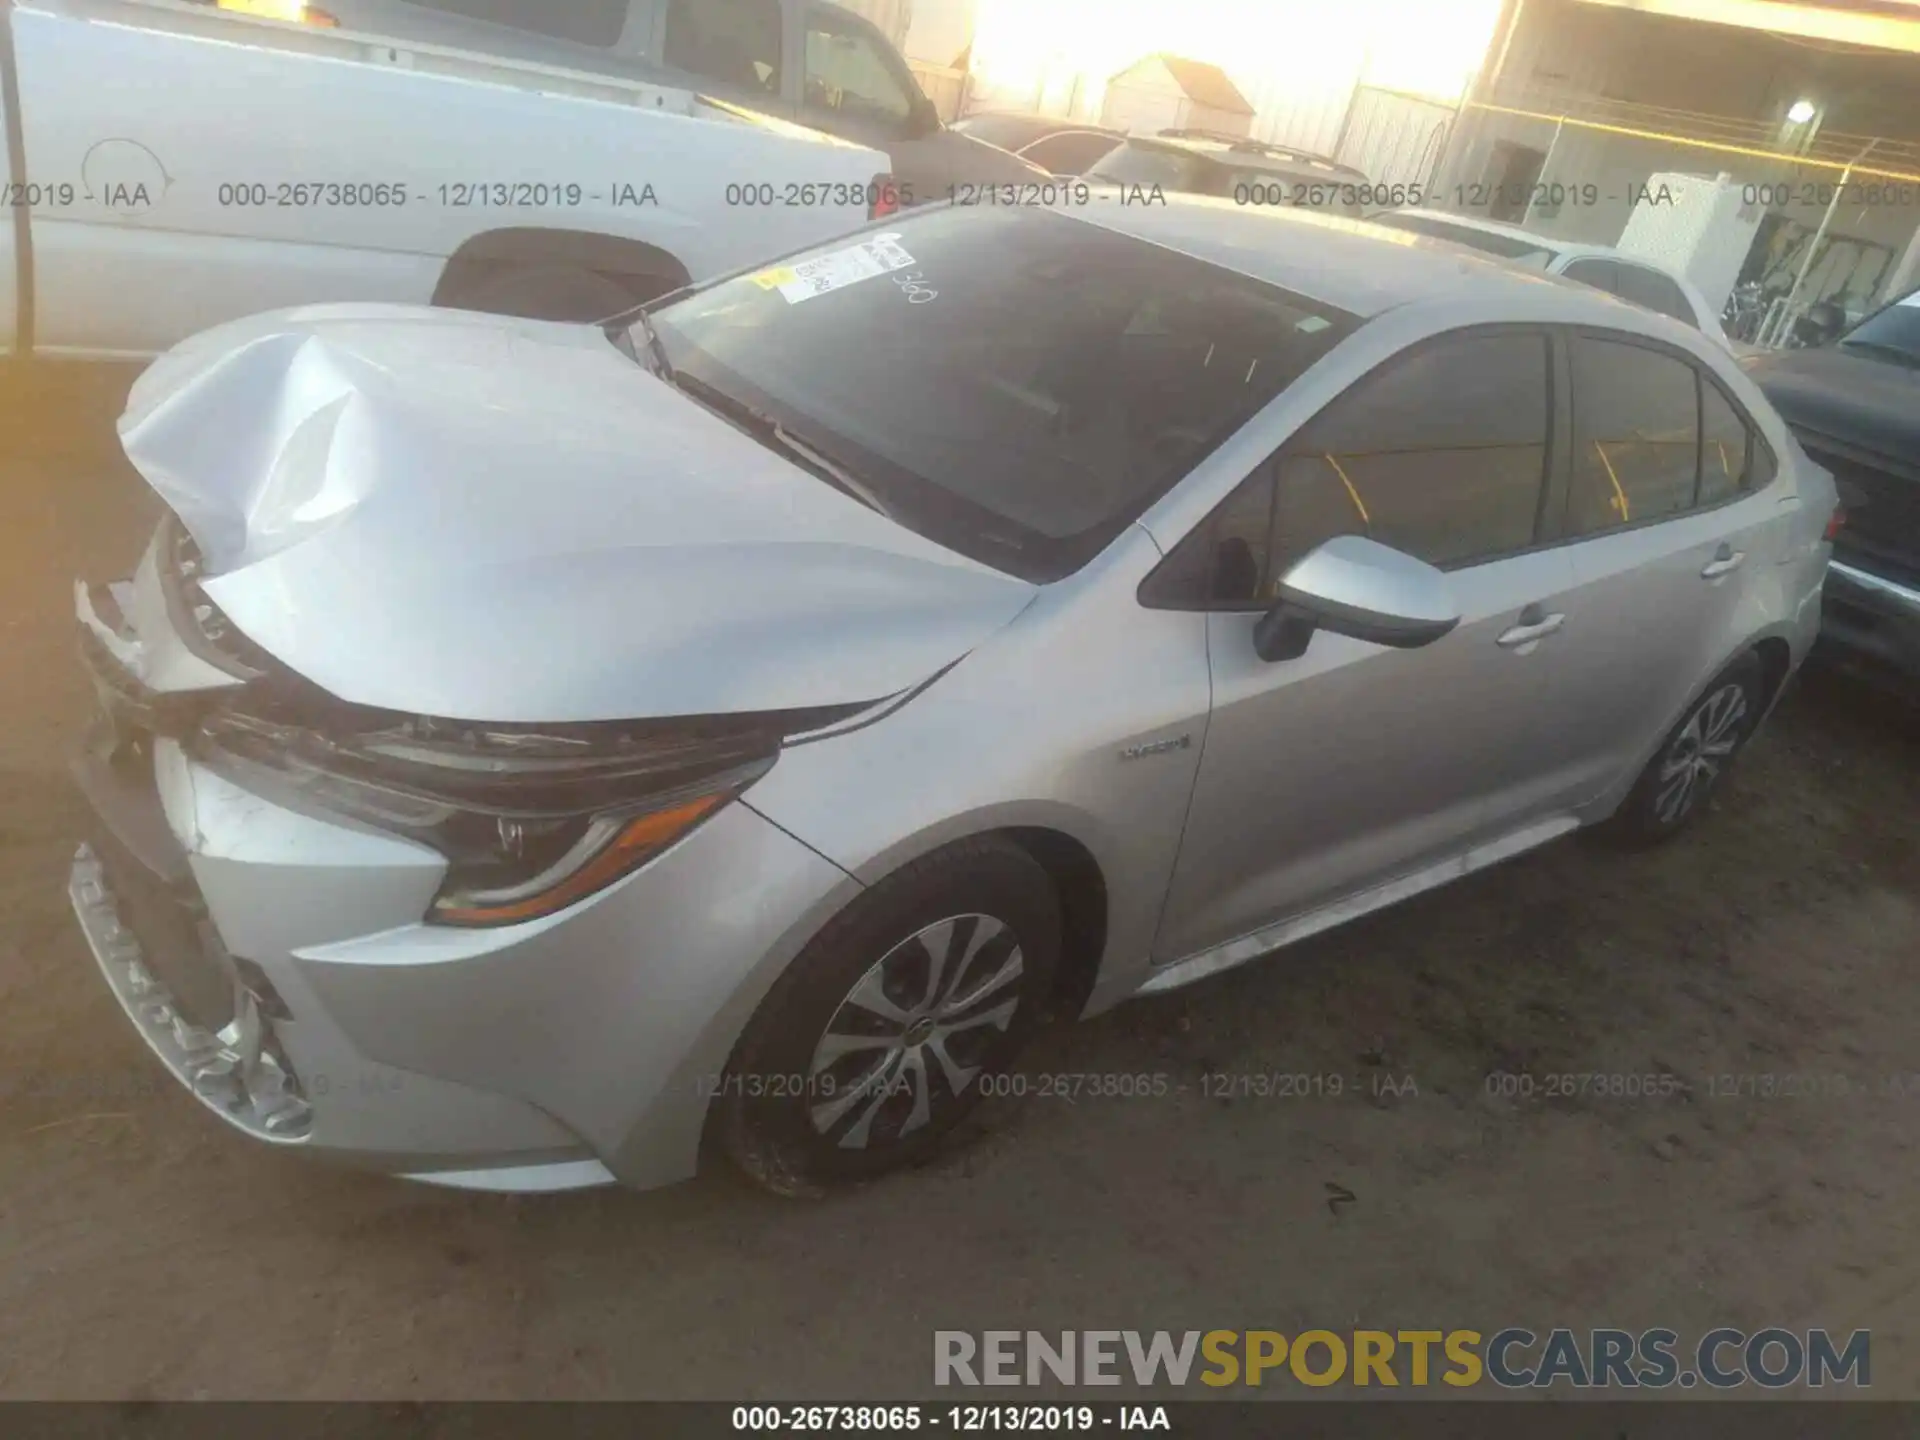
(1633, 279)
(531, 753)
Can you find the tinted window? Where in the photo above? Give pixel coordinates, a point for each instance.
(1507, 247)
(1733, 456)
(1635, 435)
(1011, 382)
(1656, 292)
(850, 74)
(584, 22)
(1600, 274)
(1441, 455)
(1135, 164)
(1073, 153)
(733, 41)
(1724, 444)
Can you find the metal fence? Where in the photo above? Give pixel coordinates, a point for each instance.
(1394, 138)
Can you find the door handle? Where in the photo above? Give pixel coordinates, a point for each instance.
(1535, 624)
(1725, 561)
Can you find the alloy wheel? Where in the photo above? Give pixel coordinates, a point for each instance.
(1700, 752)
(917, 1028)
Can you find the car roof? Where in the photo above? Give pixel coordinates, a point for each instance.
(1247, 155)
(1355, 266)
(1532, 237)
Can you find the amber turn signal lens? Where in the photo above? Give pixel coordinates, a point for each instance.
(638, 840)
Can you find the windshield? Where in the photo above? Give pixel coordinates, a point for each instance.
(1520, 251)
(1014, 384)
(1892, 333)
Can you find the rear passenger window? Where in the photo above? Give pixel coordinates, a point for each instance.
(1656, 292)
(1636, 436)
(583, 22)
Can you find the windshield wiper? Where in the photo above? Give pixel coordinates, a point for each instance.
(1891, 352)
(834, 472)
(662, 366)
(770, 432)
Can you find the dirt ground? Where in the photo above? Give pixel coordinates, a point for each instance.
(148, 1252)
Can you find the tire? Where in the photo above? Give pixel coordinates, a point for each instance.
(1666, 799)
(552, 292)
(801, 1109)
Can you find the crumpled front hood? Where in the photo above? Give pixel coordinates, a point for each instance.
(486, 518)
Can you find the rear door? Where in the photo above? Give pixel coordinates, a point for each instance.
(1355, 763)
(1670, 507)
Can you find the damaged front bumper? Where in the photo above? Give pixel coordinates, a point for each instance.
(236, 1070)
(277, 961)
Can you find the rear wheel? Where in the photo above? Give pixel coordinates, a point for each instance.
(1674, 788)
(894, 1022)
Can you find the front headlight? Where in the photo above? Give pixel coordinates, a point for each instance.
(530, 819)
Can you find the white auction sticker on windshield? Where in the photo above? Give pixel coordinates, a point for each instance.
(836, 270)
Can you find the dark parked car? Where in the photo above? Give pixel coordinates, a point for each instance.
(1854, 406)
(1249, 172)
(1065, 147)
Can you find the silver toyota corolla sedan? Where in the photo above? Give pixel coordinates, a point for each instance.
(532, 754)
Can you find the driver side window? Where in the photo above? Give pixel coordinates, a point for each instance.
(848, 75)
(1440, 453)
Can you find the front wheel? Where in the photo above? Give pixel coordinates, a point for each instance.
(894, 1021)
(1690, 764)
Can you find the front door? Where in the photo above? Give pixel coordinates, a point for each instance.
(1354, 764)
